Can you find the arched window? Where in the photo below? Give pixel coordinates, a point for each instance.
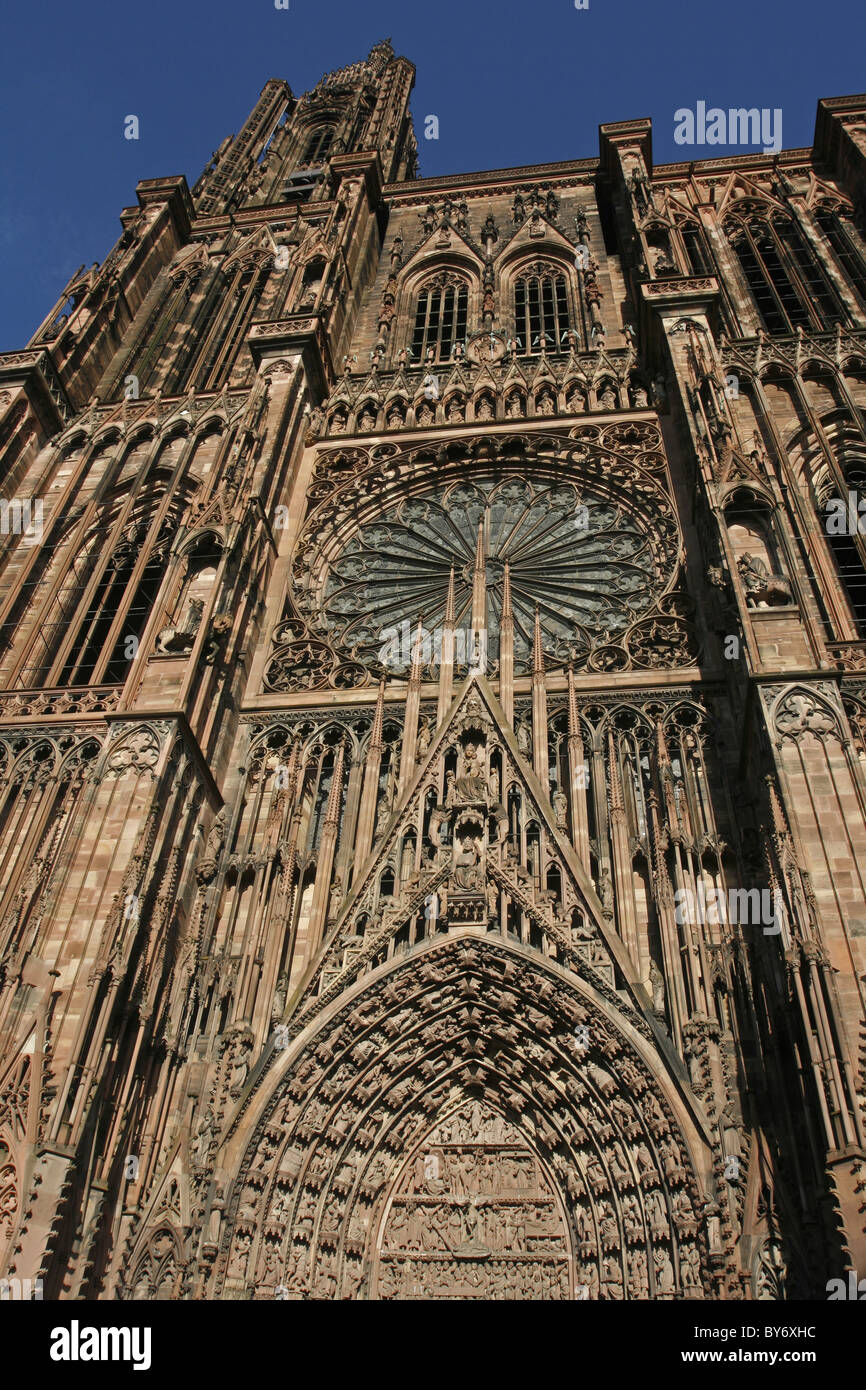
(837, 225)
(541, 309)
(842, 537)
(311, 283)
(697, 254)
(79, 640)
(318, 145)
(789, 286)
(216, 347)
(440, 318)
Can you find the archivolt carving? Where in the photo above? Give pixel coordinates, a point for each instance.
(475, 1118)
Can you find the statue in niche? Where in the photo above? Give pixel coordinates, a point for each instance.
(664, 1271)
(763, 589)
(612, 1278)
(239, 1073)
(336, 898)
(657, 980)
(281, 994)
(560, 808)
(471, 786)
(217, 834)
(391, 788)
(466, 867)
(605, 892)
(173, 640)
(201, 1143)
(216, 1215)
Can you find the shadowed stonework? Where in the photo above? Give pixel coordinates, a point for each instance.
(432, 717)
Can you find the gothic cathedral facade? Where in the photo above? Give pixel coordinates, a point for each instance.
(433, 726)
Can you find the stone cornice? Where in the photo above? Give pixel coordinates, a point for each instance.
(490, 182)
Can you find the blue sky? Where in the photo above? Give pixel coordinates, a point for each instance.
(511, 82)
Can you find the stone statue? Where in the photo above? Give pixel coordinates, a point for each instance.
(173, 640)
(466, 868)
(657, 981)
(217, 834)
(471, 785)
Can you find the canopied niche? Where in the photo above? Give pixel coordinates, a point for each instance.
(756, 551)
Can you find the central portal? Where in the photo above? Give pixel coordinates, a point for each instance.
(474, 1214)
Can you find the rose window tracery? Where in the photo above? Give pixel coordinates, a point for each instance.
(591, 565)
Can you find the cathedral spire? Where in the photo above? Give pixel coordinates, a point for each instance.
(537, 646)
(446, 656)
(539, 709)
(573, 715)
(417, 655)
(335, 793)
(506, 649)
(616, 802)
(413, 705)
(378, 720)
(780, 824)
(479, 584)
(449, 602)
(578, 772)
(327, 847)
(666, 778)
(370, 789)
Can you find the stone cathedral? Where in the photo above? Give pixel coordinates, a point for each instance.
(433, 726)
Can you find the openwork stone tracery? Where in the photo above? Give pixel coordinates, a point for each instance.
(583, 522)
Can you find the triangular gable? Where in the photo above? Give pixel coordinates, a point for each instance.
(433, 243)
(340, 957)
(524, 239)
(738, 187)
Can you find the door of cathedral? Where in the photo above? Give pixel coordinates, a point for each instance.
(474, 1213)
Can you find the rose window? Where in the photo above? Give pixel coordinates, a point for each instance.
(591, 567)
